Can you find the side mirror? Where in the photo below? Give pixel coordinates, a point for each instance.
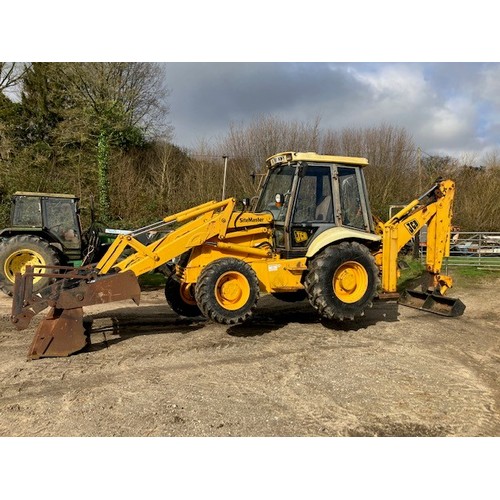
(246, 203)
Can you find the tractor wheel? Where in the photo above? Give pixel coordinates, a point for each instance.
(24, 250)
(342, 281)
(291, 296)
(180, 298)
(227, 291)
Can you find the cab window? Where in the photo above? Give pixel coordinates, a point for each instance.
(350, 201)
(27, 212)
(279, 182)
(61, 220)
(314, 199)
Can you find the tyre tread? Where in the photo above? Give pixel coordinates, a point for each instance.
(8, 246)
(318, 292)
(206, 300)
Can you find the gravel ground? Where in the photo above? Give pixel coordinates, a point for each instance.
(395, 372)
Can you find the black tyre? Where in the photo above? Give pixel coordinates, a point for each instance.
(180, 298)
(227, 291)
(342, 281)
(24, 250)
(291, 296)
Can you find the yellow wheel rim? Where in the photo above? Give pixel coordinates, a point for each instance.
(350, 282)
(232, 290)
(18, 261)
(186, 292)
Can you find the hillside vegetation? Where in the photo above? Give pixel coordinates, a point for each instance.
(101, 132)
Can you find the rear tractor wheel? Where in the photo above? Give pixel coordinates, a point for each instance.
(180, 297)
(227, 291)
(342, 281)
(20, 251)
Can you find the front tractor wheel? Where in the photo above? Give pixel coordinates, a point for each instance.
(342, 281)
(180, 297)
(20, 251)
(227, 291)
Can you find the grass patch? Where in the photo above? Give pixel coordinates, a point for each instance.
(151, 281)
(470, 276)
(462, 276)
(410, 274)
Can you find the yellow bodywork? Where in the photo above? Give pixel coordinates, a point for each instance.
(282, 158)
(403, 226)
(201, 246)
(214, 230)
(211, 231)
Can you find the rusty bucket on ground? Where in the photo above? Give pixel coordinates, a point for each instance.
(61, 332)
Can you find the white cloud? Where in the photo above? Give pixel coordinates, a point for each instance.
(448, 108)
(402, 84)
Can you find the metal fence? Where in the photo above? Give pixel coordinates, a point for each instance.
(474, 249)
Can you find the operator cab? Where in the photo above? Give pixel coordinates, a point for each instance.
(55, 217)
(308, 193)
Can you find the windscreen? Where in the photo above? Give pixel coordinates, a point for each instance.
(279, 181)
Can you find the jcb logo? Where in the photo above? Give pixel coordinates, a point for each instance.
(300, 236)
(412, 226)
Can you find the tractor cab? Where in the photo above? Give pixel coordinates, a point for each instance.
(309, 193)
(53, 217)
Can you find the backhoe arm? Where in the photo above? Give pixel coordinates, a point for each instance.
(403, 226)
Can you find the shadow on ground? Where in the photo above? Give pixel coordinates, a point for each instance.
(130, 322)
(271, 315)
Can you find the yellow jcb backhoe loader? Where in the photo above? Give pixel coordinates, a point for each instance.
(309, 234)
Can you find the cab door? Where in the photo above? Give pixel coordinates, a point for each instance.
(313, 210)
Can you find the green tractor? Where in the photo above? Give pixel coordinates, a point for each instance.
(45, 230)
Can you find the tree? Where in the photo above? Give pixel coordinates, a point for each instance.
(11, 74)
(74, 118)
(391, 153)
(117, 104)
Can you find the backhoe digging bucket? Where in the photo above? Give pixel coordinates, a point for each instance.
(61, 332)
(432, 302)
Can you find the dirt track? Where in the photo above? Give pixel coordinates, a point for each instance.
(396, 372)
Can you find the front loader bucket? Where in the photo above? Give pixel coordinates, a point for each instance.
(432, 302)
(61, 333)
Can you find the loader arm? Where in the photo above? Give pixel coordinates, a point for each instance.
(199, 224)
(403, 226)
(62, 332)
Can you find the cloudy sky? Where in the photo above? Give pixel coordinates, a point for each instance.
(448, 108)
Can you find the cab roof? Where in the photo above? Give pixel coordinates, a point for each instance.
(45, 195)
(289, 156)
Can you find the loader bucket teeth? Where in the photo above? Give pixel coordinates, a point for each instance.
(60, 333)
(432, 302)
